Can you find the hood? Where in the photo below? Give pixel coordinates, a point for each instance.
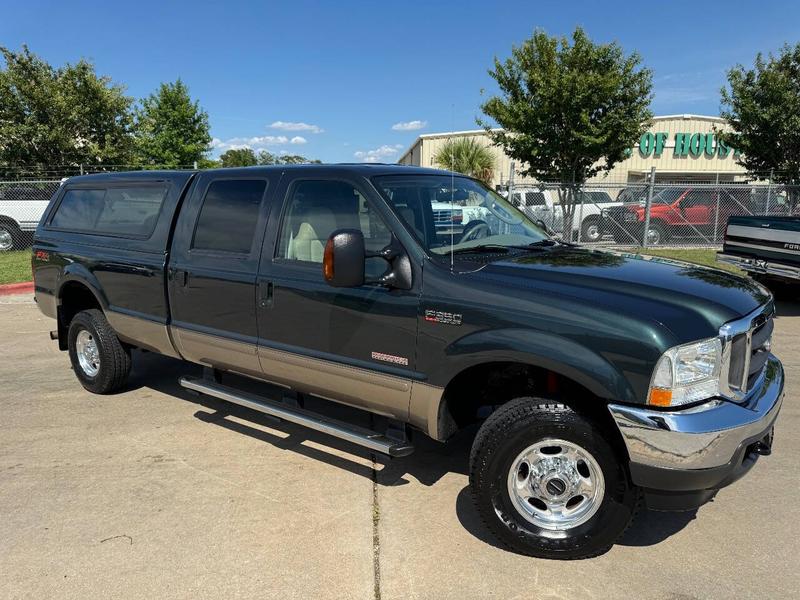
(690, 300)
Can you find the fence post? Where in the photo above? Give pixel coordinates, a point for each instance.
(580, 216)
(81, 168)
(769, 190)
(647, 206)
(716, 211)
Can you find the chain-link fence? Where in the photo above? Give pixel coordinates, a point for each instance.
(650, 213)
(22, 204)
(622, 213)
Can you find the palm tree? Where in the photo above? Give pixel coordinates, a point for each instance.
(466, 155)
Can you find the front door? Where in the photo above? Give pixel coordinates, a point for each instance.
(213, 270)
(353, 345)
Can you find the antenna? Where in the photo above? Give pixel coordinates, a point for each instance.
(452, 190)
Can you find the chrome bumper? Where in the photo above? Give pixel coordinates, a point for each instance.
(703, 437)
(758, 265)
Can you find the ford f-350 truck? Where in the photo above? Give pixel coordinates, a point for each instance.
(596, 380)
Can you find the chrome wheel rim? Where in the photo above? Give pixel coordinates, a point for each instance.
(88, 353)
(6, 241)
(653, 236)
(556, 485)
(592, 233)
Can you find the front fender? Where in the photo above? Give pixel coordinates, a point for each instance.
(540, 349)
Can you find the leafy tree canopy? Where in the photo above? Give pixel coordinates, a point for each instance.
(466, 155)
(170, 129)
(238, 157)
(762, 106)
(60, 117)
(568, 110)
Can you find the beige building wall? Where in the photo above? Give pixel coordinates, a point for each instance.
(698, 157)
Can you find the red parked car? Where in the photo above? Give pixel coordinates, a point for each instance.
(687, 212)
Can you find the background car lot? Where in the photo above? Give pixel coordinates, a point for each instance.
(155, 493)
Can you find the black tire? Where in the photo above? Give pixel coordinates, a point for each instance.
(591, 230)
(114, 358)
(659, 234)
(518, 425)
(10, 236)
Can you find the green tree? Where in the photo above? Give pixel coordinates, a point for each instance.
(171, 129)
(238, 157)
(296, 159)
(762, 107)
(569, 111)
(466, 155)
(54, 117)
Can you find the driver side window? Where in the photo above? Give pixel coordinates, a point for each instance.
(316, 209)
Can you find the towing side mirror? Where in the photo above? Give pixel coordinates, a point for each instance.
(344, 262)
(345, 259)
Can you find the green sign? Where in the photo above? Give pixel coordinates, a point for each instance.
(685, 144)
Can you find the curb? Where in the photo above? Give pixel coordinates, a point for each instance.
(16, 288)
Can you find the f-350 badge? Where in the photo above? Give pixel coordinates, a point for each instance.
(445, 318)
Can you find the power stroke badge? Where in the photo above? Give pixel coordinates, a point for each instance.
(445, 318)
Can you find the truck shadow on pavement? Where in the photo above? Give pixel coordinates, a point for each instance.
(429, 463)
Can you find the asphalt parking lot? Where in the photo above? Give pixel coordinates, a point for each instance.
(154, 493)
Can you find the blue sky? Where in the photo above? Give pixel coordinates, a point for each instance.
(351, 81)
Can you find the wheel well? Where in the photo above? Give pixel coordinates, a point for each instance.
(476, 392)
(9, 221)
(74, 297)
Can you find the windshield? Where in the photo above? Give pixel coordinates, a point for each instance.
(447, 212)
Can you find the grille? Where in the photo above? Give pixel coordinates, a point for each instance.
(749, 353)
(447, 217)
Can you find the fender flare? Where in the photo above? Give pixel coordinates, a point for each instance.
(561, 355)
(78, 273)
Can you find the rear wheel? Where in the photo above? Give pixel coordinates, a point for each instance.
(547, 483)
(99, 359)
(656, 235)
(590, 230)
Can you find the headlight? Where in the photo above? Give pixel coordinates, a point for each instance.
(686, 374)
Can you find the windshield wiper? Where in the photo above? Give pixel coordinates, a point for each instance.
(482, 248)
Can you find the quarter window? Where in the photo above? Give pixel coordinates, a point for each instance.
(228, 217)
(123, 211)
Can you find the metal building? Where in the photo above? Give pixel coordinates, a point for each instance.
(682, 148)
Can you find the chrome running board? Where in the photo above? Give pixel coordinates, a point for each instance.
(344, 431)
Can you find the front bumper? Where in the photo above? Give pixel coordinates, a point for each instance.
(682, 457)
(758, 265)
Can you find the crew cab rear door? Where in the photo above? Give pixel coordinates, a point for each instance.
(214, 265)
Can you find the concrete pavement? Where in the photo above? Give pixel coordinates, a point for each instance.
(156, 493)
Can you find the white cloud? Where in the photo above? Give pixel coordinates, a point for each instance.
(258, 142)
(382, 154)
(299, 126)
(298, 139)
(409, 125)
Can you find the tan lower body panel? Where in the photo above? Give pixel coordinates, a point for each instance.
(219, 352)
(403, 399)
(424, 408)
(383, 394)
(142, 333)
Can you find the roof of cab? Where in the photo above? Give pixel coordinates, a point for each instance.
(362, 169)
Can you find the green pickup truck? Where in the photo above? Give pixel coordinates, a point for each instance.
(594, 379)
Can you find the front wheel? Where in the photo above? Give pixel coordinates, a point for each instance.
(99, 359)
(547, 483)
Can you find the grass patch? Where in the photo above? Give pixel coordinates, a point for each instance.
(700, 256)
(15, 267)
